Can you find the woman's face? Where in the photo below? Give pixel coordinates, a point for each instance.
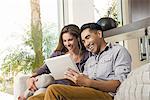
(70, 41)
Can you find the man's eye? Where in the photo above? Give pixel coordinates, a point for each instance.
(88, 37)
(70, 39)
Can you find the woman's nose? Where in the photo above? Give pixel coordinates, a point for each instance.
(68, 44)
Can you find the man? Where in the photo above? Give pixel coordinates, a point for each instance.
(104, 71)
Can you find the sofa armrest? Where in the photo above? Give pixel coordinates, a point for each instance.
(20, 85)
(136, 86)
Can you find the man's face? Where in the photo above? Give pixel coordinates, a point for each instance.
(92, 40)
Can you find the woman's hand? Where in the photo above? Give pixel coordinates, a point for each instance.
(78, 78)
(31, 84)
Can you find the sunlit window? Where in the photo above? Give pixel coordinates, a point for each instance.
(16, 52)
(108, 8)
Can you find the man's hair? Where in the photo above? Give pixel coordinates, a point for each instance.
(91, 27)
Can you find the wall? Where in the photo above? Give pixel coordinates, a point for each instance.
(75, 12)
(133, 48)
(80, 12)
(140, 9)
(132, 11)
(83, 12)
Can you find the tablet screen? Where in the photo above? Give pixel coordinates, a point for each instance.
(59, 65)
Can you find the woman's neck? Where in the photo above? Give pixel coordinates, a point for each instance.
(76, 55)
(76, 51)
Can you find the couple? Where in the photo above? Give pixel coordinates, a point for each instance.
(102, 73)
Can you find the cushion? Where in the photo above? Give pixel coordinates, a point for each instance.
(136, 86)
(20, 84)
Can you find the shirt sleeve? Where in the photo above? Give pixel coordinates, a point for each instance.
(43, 70)
(122, 64)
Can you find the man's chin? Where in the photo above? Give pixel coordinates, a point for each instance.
(91, 51)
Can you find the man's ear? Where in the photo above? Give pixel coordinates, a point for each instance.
(100, 34)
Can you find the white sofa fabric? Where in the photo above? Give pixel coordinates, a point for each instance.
(20, 85)
(136, 86)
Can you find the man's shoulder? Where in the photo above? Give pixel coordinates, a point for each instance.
(121, 50)
(117, 46)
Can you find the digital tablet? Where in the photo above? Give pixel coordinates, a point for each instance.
(59, 65)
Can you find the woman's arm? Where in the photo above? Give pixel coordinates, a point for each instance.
(42, 70)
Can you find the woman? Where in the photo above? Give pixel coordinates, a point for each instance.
(69, 43)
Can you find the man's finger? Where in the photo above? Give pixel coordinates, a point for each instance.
(69, 69)
(34, 86)
(73, 72)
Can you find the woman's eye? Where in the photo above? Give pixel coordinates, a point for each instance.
(64, 40)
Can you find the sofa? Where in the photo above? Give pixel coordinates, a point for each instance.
(135, 87)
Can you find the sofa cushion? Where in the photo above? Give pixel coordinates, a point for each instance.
(136, 86)
(20, 84)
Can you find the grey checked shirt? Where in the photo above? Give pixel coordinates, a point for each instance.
(113, 63)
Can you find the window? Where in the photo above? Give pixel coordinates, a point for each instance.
(108, 8)
(15, 23)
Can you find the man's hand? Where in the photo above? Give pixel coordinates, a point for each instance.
(31, 84)
(78, 78)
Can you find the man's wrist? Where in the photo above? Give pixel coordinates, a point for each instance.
(88, 82)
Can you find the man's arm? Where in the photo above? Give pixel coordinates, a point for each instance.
(83, 80)
(107, 86)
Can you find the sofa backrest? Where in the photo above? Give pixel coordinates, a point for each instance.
(136, 86)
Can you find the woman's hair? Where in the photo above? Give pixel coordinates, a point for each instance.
(73, 30)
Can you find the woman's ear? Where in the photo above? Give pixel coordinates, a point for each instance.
(99, 33)
(78, 39)
(79, 42)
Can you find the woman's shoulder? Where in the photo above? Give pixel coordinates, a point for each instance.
(57, 53)
(86, 54)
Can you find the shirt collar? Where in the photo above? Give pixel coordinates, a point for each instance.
(108, 45)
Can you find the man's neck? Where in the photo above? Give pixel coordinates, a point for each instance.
(103, 46)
